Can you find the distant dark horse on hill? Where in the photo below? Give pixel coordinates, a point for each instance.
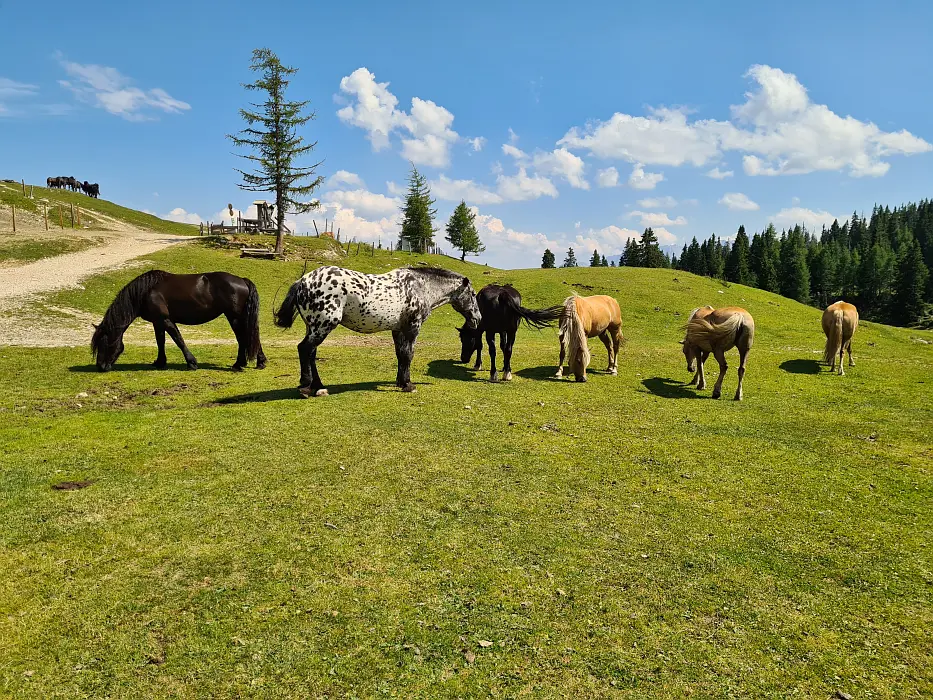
(165, 299)
(502, 312)
(91, 190)
(398, 301)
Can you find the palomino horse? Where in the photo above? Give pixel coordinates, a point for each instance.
(839, 323)
(165, 299)
(502, 312)
(701, 312)
(715, 332)
(586, 317)
(398, 301)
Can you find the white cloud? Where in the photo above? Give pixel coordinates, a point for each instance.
(342, 177)
(778, 128)
(608, 177)
(577, 225)
(513, 137)
(640, 180)
(477, 143)
(516, 153)
(10, 89)
(718, 174)
(564, 164)
(813, 220)
(369, 204)
(375, 109)
(455, 190)
(652, 219)
(736, 201)
(394, 188)
(108, 89)
(521, 186)
(657, 202)
(183, 217)
(664, 236)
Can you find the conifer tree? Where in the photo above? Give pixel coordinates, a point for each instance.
(595, 260)
(650, 251)
(272, 133)
(737, 266)
(548, 259)
(604, 262)
(909, 285)
(571, 259)
(461, 231)
(417, 214)
(795, 275)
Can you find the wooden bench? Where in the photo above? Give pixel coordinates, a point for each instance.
(259, 253)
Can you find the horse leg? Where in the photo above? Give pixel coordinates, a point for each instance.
(701, 369)
(174, 333)
(743, 355)
(260, 358)
(723, 366)
(616, 345)
(508, 343)
(849, 350)
(560, 363)
(842, 352)
(491, 342)
(604, 336)
(161, 361)
(479, 353)
(241, 340)
(404, 352)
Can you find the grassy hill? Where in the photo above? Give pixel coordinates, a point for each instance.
(96, 214)
(625, 537)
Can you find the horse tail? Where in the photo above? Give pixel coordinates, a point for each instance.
(252, 321)
(699, 329)
(536, 318)
(572, 332)
(834, 338)
(285, 316)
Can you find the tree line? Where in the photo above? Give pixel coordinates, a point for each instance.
(880, 264)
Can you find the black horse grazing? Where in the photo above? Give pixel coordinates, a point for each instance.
(502, 312)
(165, 299)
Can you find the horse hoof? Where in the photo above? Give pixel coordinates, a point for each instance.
(321, 392)
(261, 365)
(717, 394)
(237, 368)
(192, 365)
(494, 378)
(508, 377)
(613, 372)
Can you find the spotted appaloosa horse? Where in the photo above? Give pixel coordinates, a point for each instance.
(398, 301)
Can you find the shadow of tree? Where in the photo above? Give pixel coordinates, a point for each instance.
(801, 366)
(669, 388)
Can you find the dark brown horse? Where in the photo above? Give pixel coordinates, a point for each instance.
(165, 299)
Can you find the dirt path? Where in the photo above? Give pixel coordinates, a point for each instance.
(17, 284)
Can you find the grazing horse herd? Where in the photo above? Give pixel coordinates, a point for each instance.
(73, 184)
(400, 301)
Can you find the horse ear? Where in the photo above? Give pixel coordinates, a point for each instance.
(466, 281)
(95, 326)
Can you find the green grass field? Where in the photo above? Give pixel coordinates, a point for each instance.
(626, 537)
(11, 194)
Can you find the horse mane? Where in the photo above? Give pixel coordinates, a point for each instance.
(437, 272)
(702, 332)
(125, 306)
(572, 334)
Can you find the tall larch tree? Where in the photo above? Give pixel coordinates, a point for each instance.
(272, 136)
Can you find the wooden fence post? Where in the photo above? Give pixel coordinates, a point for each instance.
(72, 216)
(358, 247)
(61, 218)
(45, 215)
(348, 247)
(79, 215)
(24, 187)
(316, 232)
(13, 207)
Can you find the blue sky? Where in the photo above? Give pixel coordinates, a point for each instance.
(562, 127)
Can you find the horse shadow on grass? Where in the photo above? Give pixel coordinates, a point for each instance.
(801, 366)
(146, 367)
(451, 369)
(668, 388)
(291, 393)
